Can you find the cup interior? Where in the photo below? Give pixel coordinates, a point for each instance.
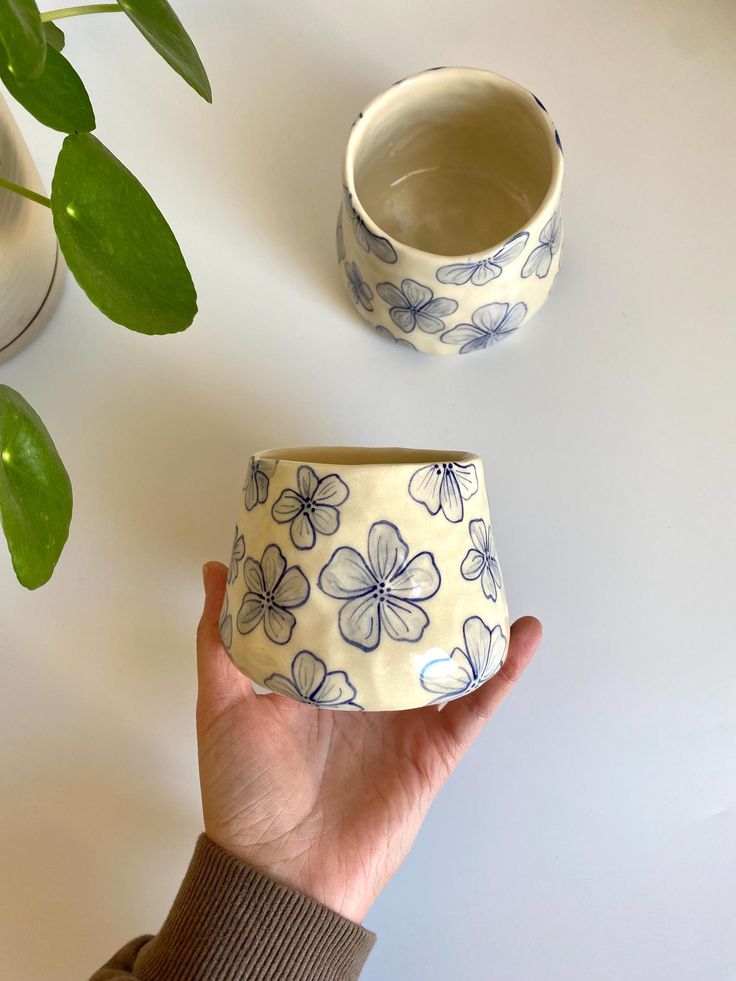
(452, 161)
(364, 455)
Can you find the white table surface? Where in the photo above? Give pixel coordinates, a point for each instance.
(590, 833)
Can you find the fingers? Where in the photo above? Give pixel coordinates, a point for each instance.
(466, 716)
(220, 682)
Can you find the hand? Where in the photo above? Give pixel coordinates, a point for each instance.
(326, 802)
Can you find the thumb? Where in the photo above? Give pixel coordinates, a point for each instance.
(220, 682)
(465, 717)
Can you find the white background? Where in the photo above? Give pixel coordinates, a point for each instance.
(590, 833)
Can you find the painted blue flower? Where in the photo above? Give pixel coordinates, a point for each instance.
(360, 291)
(540, 259)
(340, 238)
(256, 484)
(483, 270)
(311, 682)
(377, 244)
(491, 323)
(414, 305)
(383, 591)
(226, 625)
(481, 561)
(558, 141)
(444, 487)
(539, 102)
(466, 668)
(389, 335)
(273, 590)
(312, 508)
(236, 557)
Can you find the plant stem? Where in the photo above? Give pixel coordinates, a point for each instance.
(92, 8)
(25, 192)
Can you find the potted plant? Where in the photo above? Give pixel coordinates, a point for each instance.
(114, 240)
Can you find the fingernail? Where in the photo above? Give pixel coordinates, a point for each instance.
(205, 575)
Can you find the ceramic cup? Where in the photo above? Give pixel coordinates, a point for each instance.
(365, 579)
(449, 231)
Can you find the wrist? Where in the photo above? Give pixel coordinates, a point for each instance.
(229, 920)
(301, 873)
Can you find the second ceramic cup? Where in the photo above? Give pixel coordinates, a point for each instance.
(449, 232)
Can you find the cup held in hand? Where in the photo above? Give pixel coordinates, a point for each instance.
(365, 579)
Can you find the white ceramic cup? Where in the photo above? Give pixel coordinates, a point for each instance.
(365, 578)
(449, 232)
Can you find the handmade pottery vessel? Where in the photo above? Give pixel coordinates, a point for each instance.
(31, 270)
(449, 231)
(365, 579)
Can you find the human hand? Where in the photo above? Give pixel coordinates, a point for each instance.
(326, 802)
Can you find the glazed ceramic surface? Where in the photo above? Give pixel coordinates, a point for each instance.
(365, 579)
(449, 232)
(30, 268)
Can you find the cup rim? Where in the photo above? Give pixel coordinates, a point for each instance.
(368, 456)
(353, 144)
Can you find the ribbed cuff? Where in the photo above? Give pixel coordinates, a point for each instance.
(231, 923)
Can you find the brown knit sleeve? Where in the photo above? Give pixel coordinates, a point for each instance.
(231, 923)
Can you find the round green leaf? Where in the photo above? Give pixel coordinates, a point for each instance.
(57, 98)
(35, 491)
(117, 243)
(23, 38)
(54, 35)
(160, 26)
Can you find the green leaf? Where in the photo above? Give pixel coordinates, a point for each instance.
(57, 98)
(21, 33)
(35, 491)
(54, 35)
(117, 243)
(160, 26)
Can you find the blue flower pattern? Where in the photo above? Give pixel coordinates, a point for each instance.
(236, 556)
(311, 682)
(491, 324)
(226, 625)
(340, 239)
(312, 508)
(467, 668)
(256, 485)
(413, 305)
(377, 244)
(360, 291)
(482, 271)
(540, 258)
(480, 561)
(273, 591)
(390, 336)
(383, 591)
(444, 487)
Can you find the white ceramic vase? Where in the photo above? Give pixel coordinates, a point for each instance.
(31, 268)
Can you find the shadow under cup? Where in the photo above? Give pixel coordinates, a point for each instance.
(365, 578)
(449, 166)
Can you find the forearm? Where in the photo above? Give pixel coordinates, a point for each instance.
(231, 923)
